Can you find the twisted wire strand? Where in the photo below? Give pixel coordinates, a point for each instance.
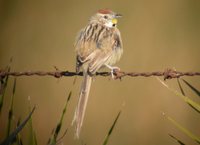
(167, 74)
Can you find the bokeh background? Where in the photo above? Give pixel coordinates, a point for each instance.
(157, 34)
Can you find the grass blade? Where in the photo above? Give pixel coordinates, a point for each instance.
(33, 139)
(3, 86)
(183, 93)
(177, 140)
(186, 99)
(13, 135)
(60, 139)
(19, 139)
(192, 87)
(179, 84)
(10, 114)
(53, 139)
(184, 130)
(111, 129)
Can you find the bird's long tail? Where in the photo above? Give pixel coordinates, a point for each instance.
(82, 103)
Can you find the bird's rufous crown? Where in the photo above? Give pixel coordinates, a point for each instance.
(105, 11)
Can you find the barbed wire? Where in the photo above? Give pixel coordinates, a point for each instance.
(167, 74)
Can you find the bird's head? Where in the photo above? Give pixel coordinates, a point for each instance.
(106, 17)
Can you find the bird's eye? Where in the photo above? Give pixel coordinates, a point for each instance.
(105, 17)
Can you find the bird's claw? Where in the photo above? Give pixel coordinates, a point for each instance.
(113, 71)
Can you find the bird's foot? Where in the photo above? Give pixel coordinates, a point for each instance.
(114, 69)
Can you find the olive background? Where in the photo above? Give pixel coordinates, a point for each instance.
(157, 34)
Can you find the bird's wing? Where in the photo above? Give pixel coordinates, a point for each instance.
(108, 49)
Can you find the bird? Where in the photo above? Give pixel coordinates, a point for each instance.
(97, 45)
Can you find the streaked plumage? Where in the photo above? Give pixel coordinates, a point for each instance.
(99, 44)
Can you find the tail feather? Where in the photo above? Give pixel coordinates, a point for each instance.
(82, 103)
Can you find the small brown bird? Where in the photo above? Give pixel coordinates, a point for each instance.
(98, 45)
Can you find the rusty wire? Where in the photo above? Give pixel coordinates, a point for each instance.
(167, 74)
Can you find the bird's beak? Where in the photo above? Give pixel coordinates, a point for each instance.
(118, 15)
(114, 20)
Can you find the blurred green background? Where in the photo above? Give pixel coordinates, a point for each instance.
(157, 34)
